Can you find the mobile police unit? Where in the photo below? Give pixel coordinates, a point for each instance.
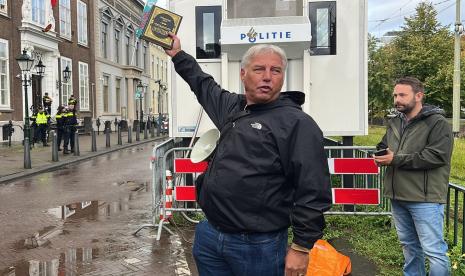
(325, 42)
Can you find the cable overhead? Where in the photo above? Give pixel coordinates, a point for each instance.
(395, 15)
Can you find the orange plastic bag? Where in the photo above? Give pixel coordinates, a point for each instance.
(326, 261)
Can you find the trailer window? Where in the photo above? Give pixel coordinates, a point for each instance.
(263, 8)
(208, 21)
(323, 24)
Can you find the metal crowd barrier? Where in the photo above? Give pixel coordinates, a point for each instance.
(158, 178)
(165, 154)
(455, 202)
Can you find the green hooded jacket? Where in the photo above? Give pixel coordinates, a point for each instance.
(422, 149)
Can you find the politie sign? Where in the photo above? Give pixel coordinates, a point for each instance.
(239, 31)
(292, 33)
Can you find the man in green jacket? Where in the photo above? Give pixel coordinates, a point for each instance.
(418, 143)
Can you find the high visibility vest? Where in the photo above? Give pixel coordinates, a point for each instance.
(41, 119)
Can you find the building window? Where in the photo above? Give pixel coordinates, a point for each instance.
(65, 18)
(136, 56)
(66, 87)
(323, 24)
(128, 48)
(83, 86)
(104, 39)
(118, 94)
(153, 67)
(105, 95)
(161, 69)
(4, 73)
(144, 57)
(158, 68)
(82, 22)
(208, 21)
(3, 6)
(38, 11)
(117, 42)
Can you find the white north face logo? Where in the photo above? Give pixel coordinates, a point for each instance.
(256, 125)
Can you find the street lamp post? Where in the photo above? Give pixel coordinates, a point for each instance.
(25, 63)
(40, 69)
(140, 88)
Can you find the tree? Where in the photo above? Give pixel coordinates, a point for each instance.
(380, 78)
(425, 50)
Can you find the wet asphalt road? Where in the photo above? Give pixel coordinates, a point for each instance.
(79, 221)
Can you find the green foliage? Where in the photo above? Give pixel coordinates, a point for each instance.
(423, 49)
(380, 78)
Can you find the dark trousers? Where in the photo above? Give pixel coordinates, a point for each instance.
(225, 254)
(41, 133)
(60, 136)
(69, 138)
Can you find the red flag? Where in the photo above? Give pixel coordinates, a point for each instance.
(54, 3)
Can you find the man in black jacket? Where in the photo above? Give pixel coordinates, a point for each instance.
(269, 171)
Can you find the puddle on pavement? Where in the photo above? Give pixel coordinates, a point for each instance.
(75, 261)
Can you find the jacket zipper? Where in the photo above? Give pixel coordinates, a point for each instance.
(425, 183)
(401, 143)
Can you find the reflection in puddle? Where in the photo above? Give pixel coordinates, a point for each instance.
(96, 210)
(75, 261)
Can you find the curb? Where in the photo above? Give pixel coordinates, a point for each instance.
(78, 159)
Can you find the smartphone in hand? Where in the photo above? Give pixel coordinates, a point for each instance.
(380, 152)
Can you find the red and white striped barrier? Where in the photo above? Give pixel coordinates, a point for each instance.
(168, 197)
(359, 196)
(352, 166)
(354, 196)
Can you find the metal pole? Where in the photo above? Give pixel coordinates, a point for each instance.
(94, 141)
(138, 132)
(107, 133)
(146, 135)
(152, 130)
(456, 90)
(54, 146)
(27, 154)
(141, 112)
(27, 137)
(159, 124)
(76, 144)
(120, 139)
(347, 179)
(129, 134)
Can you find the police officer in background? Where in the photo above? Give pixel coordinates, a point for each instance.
(72, 101)
(70, 128)
(60, 119)
(47, 103)
(42, 120)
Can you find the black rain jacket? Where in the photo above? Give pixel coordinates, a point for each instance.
(269, 170)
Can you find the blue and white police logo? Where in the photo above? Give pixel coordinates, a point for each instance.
(254, 36)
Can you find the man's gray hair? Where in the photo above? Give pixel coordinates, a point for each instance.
(261, 49)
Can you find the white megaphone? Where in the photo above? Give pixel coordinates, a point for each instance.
(205, 146)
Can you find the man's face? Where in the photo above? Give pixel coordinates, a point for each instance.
(405, 99)
(263, 78)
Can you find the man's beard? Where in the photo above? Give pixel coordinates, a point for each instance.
(407, 108)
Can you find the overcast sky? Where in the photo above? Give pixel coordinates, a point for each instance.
(388, 15)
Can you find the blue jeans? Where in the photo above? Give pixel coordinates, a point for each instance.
(419, 227)
(223, 254)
